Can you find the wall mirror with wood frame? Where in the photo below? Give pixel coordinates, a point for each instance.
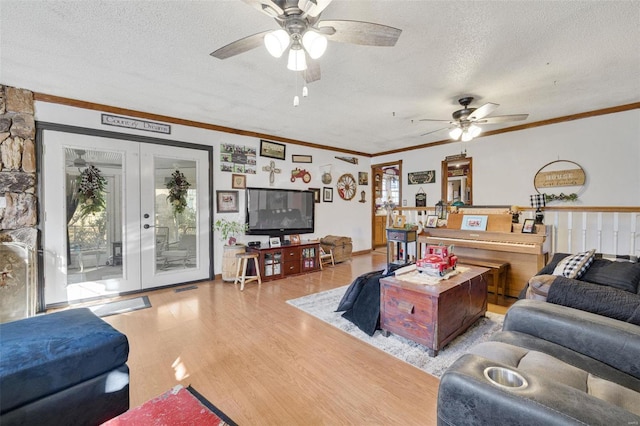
(457, 179)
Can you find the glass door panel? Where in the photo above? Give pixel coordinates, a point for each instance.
(87, 254)
(176, 224)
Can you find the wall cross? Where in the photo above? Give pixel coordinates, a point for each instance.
(271, 168)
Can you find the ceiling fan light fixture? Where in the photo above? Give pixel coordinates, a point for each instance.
(474, 130)
(276, 42)
(466, 136)
(314, 43)
(455, 133)
(297, 61)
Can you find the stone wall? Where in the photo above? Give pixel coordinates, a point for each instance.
(18, 199)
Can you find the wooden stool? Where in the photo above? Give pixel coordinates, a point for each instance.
(242, 260)
(498, 272)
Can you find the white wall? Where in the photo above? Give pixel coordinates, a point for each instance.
(607, 147)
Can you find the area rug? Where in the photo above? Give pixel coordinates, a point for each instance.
(121, 306)
(179, 406)
(322, 305)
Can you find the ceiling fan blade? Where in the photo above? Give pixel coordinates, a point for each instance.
(503, 118)
(313, 7)
(440, 121)
(312, 73)
(240, 46)
(359, 32)
(268, 7)
(435, 131)
(483, 111)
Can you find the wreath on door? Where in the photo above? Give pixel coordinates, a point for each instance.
(91, 190)
(178, 186)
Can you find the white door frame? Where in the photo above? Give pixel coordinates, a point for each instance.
(53, 262)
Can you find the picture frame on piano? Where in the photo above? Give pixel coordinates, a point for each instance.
(474, 223)
(529, 226)
(432, 221)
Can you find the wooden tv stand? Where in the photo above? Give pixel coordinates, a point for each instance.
(288, 260)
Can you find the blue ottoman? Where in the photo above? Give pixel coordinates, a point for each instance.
(64, 368)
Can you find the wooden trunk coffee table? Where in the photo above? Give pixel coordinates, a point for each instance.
(433, 315)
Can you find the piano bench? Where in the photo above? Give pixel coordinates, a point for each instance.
(497, 270)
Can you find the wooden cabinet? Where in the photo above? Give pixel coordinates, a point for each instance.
(280, 262)
(380, 231)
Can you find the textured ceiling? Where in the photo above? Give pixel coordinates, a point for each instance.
(547, 59)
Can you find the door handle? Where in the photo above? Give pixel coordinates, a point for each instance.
(147, 226)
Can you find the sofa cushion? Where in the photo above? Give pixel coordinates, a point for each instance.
(45, 354)
(576, 265)
(621, 275)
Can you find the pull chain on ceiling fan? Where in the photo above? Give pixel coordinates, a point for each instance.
(305, 35)
(465, 121)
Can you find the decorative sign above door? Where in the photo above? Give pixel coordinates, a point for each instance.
(132, 123)
(418, 178)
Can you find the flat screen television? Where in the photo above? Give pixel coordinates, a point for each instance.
(277, 212)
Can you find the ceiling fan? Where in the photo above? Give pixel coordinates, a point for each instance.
(77, 158)
(465, 121)
(305, 36)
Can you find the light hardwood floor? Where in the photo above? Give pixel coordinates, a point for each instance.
(264, 362)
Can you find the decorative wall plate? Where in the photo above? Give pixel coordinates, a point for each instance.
(326, 178)
(346, 186)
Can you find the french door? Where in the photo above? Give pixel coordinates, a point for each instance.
(122, 216)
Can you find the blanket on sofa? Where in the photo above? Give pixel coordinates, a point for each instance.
(596, 298)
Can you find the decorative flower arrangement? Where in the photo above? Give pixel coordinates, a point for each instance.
(177, 187)
(91, 189)
(561, 197)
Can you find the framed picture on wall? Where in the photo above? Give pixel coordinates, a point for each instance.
(227, 202)
(363, 178)
(238, 181)
(272, 150)
(327, 194)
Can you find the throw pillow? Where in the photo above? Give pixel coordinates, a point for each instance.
(622, 275)
(549, 267)
(576, 265)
